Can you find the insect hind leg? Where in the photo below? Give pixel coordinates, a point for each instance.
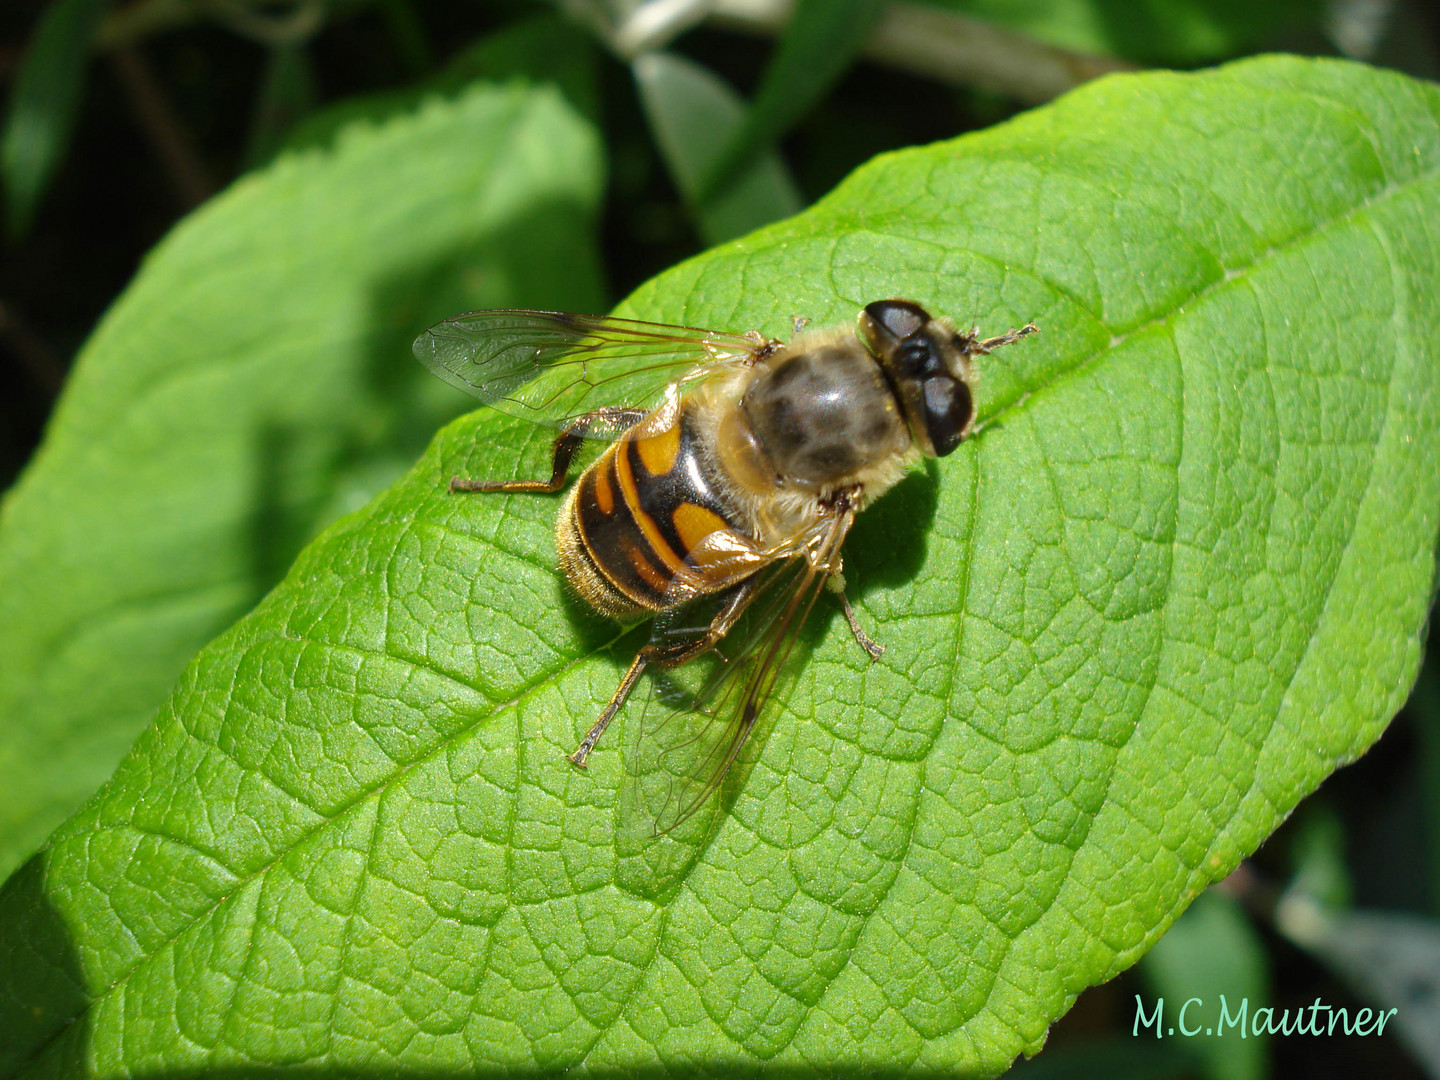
(617, 699)
(666, 655)
(563, 450)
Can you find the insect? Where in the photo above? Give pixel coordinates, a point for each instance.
(735, 467)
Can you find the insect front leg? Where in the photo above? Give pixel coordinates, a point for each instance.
(564, 449)
(869, 644)
(836, 584)
(1007, 338)
(667, 655)
(841, 503)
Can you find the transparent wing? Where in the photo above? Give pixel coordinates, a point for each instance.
(551, 366)
(690, 735)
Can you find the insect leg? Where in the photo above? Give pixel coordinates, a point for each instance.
(663, 656)
(564, 450)
(865, 641)
(731, 610)
(841, 503)
(1008, 338)
(616, 700)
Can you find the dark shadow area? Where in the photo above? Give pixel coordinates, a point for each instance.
(42, 995)
(888, 542)
(280, 524)
(1133, 1059)
(595, 631)
(516, 46)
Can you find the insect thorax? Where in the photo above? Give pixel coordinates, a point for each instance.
(825, 415)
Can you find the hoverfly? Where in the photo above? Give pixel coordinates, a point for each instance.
(736, 466)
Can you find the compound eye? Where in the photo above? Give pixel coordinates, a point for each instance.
(915, 358)
(897, 318)
(949, 409)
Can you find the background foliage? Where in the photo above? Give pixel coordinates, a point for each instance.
(222, 421)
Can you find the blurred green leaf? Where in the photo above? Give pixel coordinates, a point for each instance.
(1211, 952)
(252, 384)
(1149, 31)
(1180, 575)
(820, 41)
(1318, 853)
(693, 114)
(287, 94)
(43, 104)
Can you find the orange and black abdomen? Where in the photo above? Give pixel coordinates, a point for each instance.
(636, 514)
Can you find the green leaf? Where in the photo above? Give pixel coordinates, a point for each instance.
(1180, 576)
(1317, 851)
(252, 384)
(43, 104)
(693, 114)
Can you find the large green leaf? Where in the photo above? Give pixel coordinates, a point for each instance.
(1178, 578)
(243, 393)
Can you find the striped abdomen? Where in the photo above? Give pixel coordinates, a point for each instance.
(631, 520)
